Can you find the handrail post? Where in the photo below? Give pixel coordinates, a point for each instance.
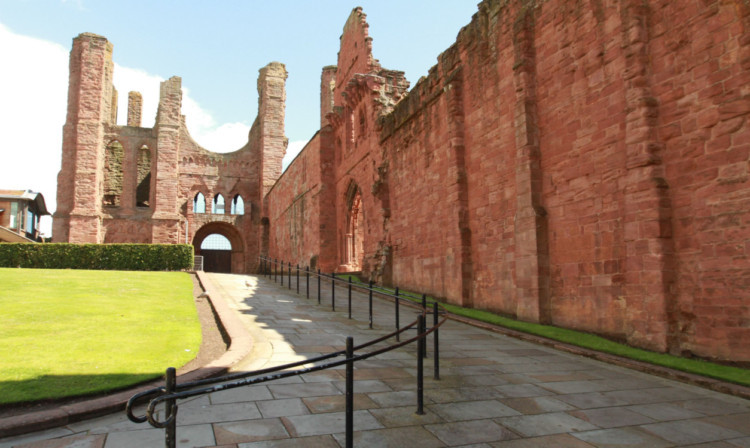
(297, 278)
(170, 432)
(398, 338)
(307, 282)
(349, 392)
(350, 296)
(318, 286)
(435, 339)
(274, 270)
(424, 310)
(370, 299)
(333, 291)
(420, 364)
(282, 273)
(289, 283)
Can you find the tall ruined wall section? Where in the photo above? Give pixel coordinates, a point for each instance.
(701, 79)
(130, 184)
(90, 108)
(294, 208)
(579, 163)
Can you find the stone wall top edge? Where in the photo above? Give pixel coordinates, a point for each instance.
(88, 35)
(429, 87)
(291, 164)
(115, 131)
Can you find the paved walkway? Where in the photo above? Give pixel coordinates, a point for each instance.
(495, 391)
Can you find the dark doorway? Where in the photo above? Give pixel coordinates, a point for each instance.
(217, 253)
(217, 260)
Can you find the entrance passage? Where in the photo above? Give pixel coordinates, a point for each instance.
(217, 253)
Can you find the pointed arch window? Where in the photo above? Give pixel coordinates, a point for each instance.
(218, 205)
(199, 203)
(143, 181)
(354, 238)
(238, 205)
(113, 157)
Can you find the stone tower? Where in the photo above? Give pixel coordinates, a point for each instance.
(130, 184)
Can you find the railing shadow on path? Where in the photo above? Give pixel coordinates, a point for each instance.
(166, 397)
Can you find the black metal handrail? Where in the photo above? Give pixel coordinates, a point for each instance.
(171, 392)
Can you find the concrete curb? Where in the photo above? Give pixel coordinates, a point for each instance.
(240, 346)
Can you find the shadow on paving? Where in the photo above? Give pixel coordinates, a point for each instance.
(67, 387)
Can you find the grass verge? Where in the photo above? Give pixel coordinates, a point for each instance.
(67, 333)
(730, 374)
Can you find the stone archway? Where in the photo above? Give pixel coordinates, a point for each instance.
(354, 238)
(231, 262)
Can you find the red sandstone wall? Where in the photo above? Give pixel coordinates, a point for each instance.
(581, 107)
(294, 210)
(701, 65)
(578, 163)
(422, 226)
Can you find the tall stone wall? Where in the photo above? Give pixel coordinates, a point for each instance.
(294, 208)
(579, 163)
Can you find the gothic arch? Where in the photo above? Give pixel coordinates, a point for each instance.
(355, 223)
(199, 202)
(143, 176)
(114, 155)
(237, 253)
(218, 205)
(237, 204)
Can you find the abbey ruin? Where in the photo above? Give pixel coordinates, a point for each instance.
(577, 163)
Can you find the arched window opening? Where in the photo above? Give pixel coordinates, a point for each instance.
(354, 247)
(216, 241)
(218, 205)
(238, 205)
(199, 203)
(113, 157)
(143, 181)
(362, 123)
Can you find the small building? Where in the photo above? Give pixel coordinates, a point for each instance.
(19, 215)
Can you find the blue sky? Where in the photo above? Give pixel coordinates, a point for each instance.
(217, 47)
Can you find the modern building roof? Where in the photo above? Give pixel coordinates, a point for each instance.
(27, 195)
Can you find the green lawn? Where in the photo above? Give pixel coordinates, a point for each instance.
(73, 332)
(586, 340)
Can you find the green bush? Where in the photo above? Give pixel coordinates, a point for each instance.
(116, 257)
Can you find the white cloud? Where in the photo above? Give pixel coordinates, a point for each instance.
(291, 152)
(201, 124)
(212, 136)
(33, 88)
(33, 105)
(128, 80)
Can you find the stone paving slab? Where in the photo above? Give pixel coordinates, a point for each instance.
(494, 391)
